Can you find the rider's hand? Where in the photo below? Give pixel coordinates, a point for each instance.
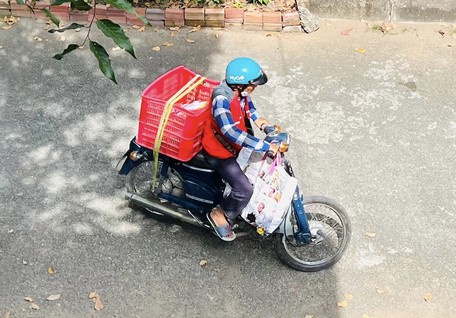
(273, 149)
(261, 123)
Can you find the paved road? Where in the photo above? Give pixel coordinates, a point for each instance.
(373, 120)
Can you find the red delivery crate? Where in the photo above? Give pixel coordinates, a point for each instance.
(183, 131)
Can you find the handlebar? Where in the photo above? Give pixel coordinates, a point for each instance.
(274, 134)
(268, 129)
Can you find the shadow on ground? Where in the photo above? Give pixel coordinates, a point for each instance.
(64, 126)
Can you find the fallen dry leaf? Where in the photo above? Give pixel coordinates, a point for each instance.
(34, 306)
(156, 48)
(53, 297)
(174, 28)
(29, 299)
(369, 234)
(342, 304)
(98, 305)
(346, 31)
(51, 270)
(96, 300)
(386, 27)
(139, 28)
(360, 50)
(427, 297)
(190, 41)
(167, 44)
(10, 20)
(7, 314)
(195, 29)
(381, 290)
(173, 33)
(348, 296)
(7, 27)
(203, 262)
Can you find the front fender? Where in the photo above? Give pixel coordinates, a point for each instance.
(302, 234)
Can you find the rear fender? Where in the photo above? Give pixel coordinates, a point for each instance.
(127, 163)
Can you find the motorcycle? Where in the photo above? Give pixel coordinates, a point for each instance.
(315, 230)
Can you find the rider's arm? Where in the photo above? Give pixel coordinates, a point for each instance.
(224, 118)
(259, 121)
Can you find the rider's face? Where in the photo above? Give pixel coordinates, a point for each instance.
(249, 90)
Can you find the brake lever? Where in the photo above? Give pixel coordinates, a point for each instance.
(272, 129)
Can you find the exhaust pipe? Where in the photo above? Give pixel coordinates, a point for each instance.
(165, 209)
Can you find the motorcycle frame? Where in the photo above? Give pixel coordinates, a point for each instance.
(206, 176)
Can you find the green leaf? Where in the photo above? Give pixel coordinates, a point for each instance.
(80, 5)
(58, 2)
(21, 2)
(127, 7)
(143, 19)
(73, 26)
(69, 49)
(104, 62)
(122, 5)
(53, 18)
(115, 32)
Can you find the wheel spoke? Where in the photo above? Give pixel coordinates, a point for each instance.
(330, 228)
(139, 181)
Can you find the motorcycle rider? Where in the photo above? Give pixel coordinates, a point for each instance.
(228, 130)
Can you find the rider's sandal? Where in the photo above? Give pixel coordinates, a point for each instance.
(224, 232)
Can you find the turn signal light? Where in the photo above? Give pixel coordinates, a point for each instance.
(134, 155)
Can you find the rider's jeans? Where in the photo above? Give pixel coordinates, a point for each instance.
(241, 188)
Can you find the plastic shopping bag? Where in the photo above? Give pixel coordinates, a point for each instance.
(272, 193)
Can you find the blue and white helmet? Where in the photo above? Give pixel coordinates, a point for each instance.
(245, 71)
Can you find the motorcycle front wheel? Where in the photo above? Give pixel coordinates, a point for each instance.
(331, 232)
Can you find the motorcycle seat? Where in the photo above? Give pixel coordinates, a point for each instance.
(199, 161)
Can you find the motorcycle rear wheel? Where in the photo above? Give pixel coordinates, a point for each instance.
(331, 233)
(139, 181)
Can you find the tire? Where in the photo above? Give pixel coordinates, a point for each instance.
(324, 215)
(139, 181)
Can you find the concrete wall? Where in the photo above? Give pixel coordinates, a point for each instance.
(386, 10)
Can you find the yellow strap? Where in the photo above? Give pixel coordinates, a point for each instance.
(164, 120)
